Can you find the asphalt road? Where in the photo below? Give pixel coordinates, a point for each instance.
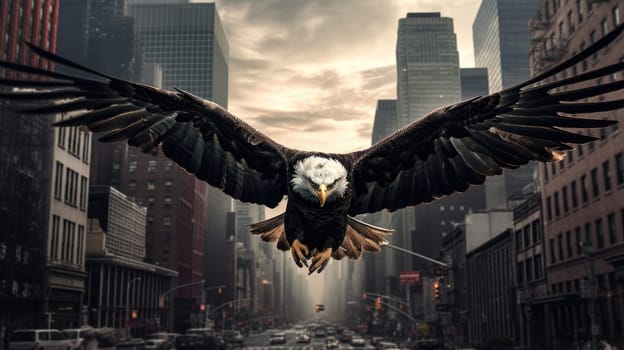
(261, 342)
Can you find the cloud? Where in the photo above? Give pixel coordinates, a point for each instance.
(299, 67)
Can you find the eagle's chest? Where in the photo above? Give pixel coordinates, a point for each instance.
(315, 223)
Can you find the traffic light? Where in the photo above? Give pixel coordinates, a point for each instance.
(378, 303)
(134, 315)
(202, 307)
(319, 307)
(436, 290)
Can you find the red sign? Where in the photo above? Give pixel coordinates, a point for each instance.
(409, 277)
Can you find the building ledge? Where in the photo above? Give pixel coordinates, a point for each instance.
(132, 263)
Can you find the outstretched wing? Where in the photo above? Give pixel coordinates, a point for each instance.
(457, 146)
(199, 135)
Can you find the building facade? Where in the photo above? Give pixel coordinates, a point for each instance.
(119, 281)
(474, 82)
(582, 195)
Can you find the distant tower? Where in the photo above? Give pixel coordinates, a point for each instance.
(474, 82)
(501, 44)
(187, 40)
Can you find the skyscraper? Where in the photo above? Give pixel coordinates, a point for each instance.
(427, 65)
(474, 82)
(501, 44)
(188, 42)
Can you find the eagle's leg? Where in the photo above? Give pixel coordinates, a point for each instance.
(320, 260)
(299, 252)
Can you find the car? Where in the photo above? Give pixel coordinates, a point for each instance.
(278, 338)
(156, 344)
(206, 332)
(319, 333)
(386, 345)
(357, 341)
(233, 337)
(303, 338)
(346, 336)
(186, 342)
(40, 339)
(132, 344)
(79, 337)
(331, 343)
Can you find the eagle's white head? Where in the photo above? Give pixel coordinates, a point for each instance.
(319, 179)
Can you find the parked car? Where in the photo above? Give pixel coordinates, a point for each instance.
(278, 338)
(132, 344)
(303, 338)
(40, 339)
(386, 345)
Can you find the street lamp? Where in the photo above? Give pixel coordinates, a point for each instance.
(128, 305)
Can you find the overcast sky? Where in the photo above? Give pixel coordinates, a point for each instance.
(308, 73)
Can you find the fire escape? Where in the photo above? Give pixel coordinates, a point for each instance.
(546, 49)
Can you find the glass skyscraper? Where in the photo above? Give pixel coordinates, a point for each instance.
(427, 65)
(501, 44)
(501, 40)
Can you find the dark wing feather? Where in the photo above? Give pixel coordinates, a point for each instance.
(460, 145)
(199, 135)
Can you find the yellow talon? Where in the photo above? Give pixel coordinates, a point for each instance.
(299, 252)
(320, 260)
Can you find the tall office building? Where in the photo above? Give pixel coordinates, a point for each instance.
(44, 184)
(501, 44)
(474, 82)
(188, 42)
(427, 65)
(427, 78)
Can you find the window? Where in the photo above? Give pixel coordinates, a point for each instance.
(545, 165)
(577, 236)
(151, 185)
(58, 180)
(588, 237)
(80, 257)
(150, 201)
(520, 272)
(548, 208)
(564, 195)
(84, 187)
(73, 141)
(579, 10)
(150, 220)
(556, 200)
(580, 147)
(590, 146)
(167, 201)
(553, 168)
(168, 184)
(606, 175)
(560, 246)
(167, 221)
(616, 16)
(553, 259)
(569, 244)
(537, 231)
(527, 235)
(599, 234)
(611, 228)
(561, 30)
(519, 240)
(570, 22)
(132, 166)
(529, 269)
(573, 194)
(584, 191)
(86, 147)
(594, 180)
(61, 136)
(570, 157)
(169, 166)
(151, 166)
(619, 169)
(54, 241)
(71, 187)
(132, 185)
(592, 39)
(537, 261)
(604, 25)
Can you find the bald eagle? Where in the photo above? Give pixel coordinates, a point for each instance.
(441, 153)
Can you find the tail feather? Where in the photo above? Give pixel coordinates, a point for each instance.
(271, 230)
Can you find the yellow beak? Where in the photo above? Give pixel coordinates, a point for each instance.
(322, 194)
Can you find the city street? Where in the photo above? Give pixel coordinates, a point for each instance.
(260, 341)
